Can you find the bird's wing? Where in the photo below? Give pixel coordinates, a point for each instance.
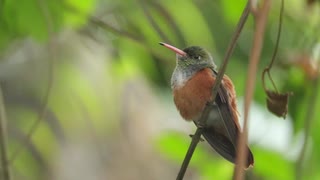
(220, 143)
(222, 101)
(225, 143)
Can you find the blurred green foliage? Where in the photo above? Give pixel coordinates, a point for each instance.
(131, 37)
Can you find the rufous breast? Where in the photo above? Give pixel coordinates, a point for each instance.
(191, 98)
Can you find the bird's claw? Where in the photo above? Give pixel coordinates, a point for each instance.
(201, 139)
(211, 103)
(200, 125)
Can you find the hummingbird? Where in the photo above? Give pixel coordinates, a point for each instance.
(192, 82)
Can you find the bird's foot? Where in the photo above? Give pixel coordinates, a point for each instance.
(201, 139)
(212, 103)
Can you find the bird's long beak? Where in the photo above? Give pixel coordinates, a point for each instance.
(176, 50)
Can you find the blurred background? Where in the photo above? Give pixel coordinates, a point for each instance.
(85, 88)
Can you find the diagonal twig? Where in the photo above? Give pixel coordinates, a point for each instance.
(4, 165)
(152, 21)
(308, 121)
(204, 116)
(50, 26)
(172, 24)
(261, 15)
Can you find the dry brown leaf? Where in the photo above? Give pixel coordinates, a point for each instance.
(277, 103)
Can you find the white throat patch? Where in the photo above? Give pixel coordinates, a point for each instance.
(179, 78)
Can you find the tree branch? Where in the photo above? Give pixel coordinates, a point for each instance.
(205, 114)
(307, 124)
(4, 165)
(261, 20)
(152, 21)
(51, 51)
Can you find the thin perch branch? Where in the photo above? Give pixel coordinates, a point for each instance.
(261, 20)
(204, 116)
(195, 140)
(307, 123)
(4, 166)
(51, 49)
(152, 21)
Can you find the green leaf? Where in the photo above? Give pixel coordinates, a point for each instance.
(272, 165)
(75, 15)
(33, 18)
(25, 18)
(174, 146)
(193, 26)
(231, 11)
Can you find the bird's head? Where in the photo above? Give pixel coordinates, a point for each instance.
(191, 58)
